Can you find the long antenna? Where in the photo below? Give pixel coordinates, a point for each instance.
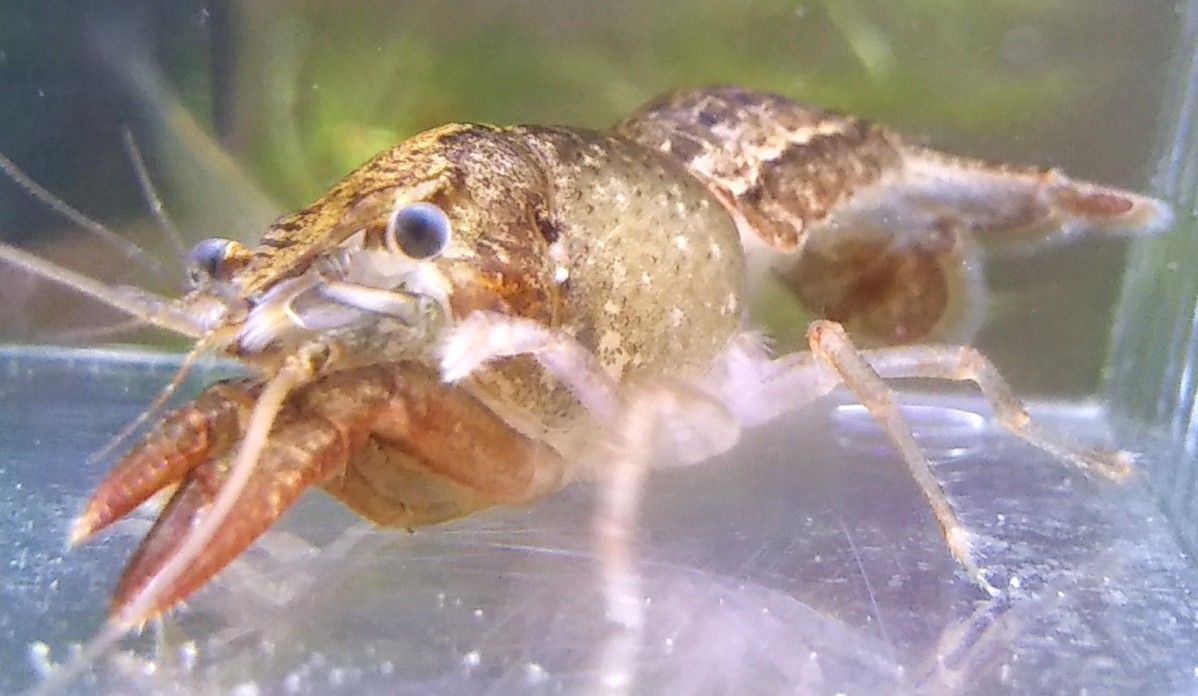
(150, 193)
(147, 306)
(128, 248)
(84, 334)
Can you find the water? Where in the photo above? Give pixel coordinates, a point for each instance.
(805, 560)
(1153, 369)
(247, 110)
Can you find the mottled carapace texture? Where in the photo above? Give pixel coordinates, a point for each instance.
(569, 227)
(864, 227)
(783, 166)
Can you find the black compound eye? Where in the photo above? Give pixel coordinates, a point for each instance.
(205, 260)
(419, 230)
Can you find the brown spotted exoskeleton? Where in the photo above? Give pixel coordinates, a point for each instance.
(481, 315)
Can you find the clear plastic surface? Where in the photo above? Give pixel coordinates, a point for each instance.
(803, 562)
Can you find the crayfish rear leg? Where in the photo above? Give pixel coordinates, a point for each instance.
(747, 387)
(863, 371)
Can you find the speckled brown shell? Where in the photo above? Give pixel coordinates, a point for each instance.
(647, 264)
(611, 241)
(782, 165)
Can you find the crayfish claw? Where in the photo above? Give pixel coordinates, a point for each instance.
(185, 438)
(299, 455)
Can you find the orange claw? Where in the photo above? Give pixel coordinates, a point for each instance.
(204, 429)
(300, 453)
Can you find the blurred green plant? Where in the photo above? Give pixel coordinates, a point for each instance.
(315, 88)
(298, 92)
(319, 87)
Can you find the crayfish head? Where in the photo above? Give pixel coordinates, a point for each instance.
(451, 221)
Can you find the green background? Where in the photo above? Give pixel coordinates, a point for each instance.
(247, 109)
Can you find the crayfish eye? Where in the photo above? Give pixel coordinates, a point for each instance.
(419, 231)
(212, 259)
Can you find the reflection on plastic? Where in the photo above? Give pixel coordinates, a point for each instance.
(793, 565)
(943, 432)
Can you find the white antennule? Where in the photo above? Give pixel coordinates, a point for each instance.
(159, 402)
(129, 249)
(295, 373)
(147, 306)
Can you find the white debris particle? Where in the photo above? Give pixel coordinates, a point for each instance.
(561, 274)
(646, 279)
(731, 304)
(676, 316)
(682, 243)
(472, 659)
(188, 653)
(246, 689)
(557, 252)
(611, 307)
(704, 163)
(1015, 583)
(534, 673)
(716, 252)
(39, 655)
(478, 613)
(617, 680)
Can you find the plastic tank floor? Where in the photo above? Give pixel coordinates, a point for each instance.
(803, 562)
